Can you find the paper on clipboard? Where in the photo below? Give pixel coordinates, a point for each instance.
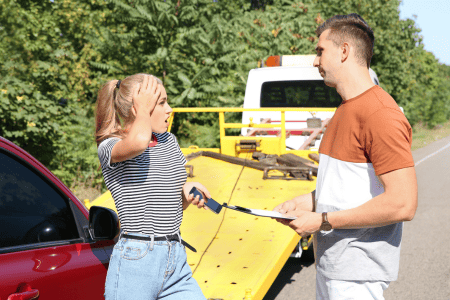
(259, 212)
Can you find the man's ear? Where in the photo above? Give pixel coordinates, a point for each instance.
(133, 111)
(345, 51)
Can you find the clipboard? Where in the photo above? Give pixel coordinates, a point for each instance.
(259, 212)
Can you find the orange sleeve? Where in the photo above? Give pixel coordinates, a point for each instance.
(387, 138)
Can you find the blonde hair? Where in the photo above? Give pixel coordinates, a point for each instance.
(113, 105)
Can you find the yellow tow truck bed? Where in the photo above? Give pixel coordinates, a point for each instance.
(238, 252)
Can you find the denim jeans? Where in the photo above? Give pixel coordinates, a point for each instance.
(140, 270)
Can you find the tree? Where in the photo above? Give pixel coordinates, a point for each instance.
(46, 78)
(203, 50)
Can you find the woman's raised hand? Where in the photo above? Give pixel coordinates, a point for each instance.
(139, 132)
(146, 95)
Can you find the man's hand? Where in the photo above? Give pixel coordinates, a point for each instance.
(306, 223)
(302, 203)
(284, 208)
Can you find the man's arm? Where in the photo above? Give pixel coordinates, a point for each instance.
(398, 203)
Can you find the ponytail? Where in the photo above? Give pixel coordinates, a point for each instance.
(107, 119)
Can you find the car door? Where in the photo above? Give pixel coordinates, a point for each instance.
(43, 247)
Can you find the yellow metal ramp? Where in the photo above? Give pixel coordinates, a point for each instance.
(238, 252)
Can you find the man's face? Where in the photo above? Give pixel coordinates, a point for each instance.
(327, 59)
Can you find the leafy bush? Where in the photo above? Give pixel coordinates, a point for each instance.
(48, 86)
(56, 55)
(32, 121)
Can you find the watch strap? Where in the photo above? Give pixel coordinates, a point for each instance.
(324, 217)
(325, 226)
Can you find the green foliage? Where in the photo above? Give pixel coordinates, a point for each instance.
(56, 55)
(204, 135)
(76, 160)
(203, 50)
(283, 29)
(437, 110)
(48, 83)
(43, 45)
(32, 121)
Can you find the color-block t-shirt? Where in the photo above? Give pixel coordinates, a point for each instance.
(368, 136)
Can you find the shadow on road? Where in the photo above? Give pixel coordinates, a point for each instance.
(292, 267)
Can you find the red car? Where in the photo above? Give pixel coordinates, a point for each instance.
(50, 245)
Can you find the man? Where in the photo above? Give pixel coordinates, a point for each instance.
(366, 183)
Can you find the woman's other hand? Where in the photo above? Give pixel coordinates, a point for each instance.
(190, 199)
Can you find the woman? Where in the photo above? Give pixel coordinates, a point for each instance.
(143, 168)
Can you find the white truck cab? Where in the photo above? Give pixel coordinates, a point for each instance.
(290, 81)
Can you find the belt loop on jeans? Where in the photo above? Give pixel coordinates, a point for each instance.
(179, 236)
(167, 240)
(152, 241)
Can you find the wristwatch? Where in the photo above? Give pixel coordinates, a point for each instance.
(326, 226)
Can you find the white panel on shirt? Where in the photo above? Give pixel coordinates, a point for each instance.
(343, 185)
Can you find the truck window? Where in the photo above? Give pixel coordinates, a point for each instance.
(298, 93)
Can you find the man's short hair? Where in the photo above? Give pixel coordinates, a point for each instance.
(354, 29)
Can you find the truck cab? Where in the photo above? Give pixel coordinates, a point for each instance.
(290, 81)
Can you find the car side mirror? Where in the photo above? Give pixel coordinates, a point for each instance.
(103, 223)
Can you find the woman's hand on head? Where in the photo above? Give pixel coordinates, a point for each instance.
(146, 95)
(190, 199)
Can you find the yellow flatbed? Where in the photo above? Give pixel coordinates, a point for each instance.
(238, 255)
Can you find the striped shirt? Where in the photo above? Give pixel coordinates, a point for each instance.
(147, 188)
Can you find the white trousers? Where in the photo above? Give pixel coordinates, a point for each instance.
(329, 289)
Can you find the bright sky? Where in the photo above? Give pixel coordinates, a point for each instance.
(433, 18)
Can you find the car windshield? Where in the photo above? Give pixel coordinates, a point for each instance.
(299, 93)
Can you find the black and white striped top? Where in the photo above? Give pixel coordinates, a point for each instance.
(147, 188)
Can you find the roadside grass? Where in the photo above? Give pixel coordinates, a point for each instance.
(83, 191)
(422, 136)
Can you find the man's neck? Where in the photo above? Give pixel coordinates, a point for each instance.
(354, 84)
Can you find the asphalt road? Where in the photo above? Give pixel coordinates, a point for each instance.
(425, 250)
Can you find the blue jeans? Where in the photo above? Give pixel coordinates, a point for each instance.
(140, 270)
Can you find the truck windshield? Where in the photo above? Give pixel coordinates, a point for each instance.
(299, 93)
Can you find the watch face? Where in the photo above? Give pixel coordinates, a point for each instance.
(326, 226)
